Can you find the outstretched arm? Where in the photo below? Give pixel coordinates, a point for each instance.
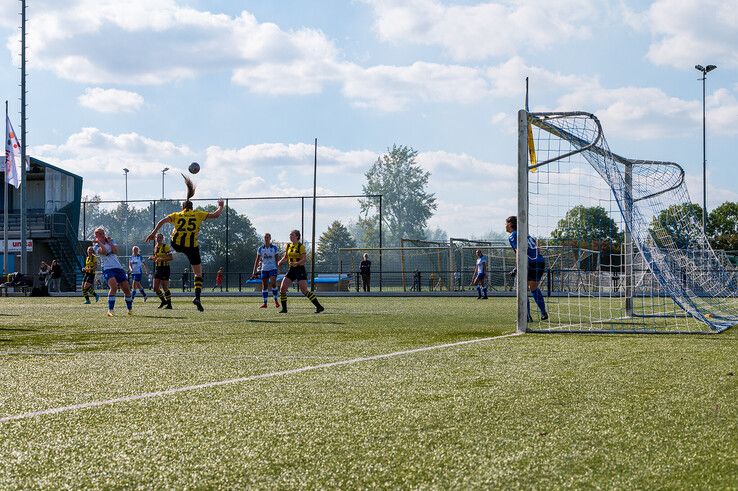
(152, 235)
(218, 210)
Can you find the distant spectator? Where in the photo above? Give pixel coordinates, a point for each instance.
(219, 279)
(416, 281)
(43, 273)
(15, 280)
(366, 273)
(185, 280)
(56, 274)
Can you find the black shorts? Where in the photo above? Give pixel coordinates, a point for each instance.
(297, 273)
(88, 278)
(162, 273)
(192, 253)
(536, 269)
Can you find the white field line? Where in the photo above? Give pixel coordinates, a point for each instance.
(190, 388)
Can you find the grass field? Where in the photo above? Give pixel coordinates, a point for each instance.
(308, 401)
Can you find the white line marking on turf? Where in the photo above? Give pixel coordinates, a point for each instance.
(208, 385)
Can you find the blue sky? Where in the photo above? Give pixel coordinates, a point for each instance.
(244, 87)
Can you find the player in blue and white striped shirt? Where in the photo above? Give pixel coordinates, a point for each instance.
(536, 265)
(265, 263)
(137, 268)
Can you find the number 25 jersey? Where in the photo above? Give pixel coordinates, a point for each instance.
(186, 226)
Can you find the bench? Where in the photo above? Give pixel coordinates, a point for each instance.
(24, 289)
(332, 283)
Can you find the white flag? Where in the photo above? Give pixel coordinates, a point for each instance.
(12, 155)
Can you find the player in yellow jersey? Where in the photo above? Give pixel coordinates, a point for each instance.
(162, 257)
(295, 255)
(184, 236)
(88, 280)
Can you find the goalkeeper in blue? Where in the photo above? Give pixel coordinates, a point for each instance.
(536, 265)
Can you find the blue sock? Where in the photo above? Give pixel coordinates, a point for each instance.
(479, 291)
(129, 302)
(143, 292)
(538, 297)
(133, 295)
(275, 292)
(485, 291)
(265, 295)
(528, 306)
(111, 302)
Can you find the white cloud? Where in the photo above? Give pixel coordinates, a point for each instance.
(392, 88)
(689, 32)
(484, 29)
(110, 100)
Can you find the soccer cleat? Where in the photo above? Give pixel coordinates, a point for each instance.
(479, 298)
(130, 312)
(485, 297)
(110, 313)
(276, 304)
(97, 297)
(146, 297)
(87, 301)
(283, 310)
(196, 302)
(263, 306)
(168, 306)
(544, 316)
(319, 309)
(162, 304)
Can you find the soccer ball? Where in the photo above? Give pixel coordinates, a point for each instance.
(194, 168)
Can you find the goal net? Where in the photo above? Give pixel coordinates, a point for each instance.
(623, 244)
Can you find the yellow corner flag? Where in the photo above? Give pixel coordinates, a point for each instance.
(531, 148)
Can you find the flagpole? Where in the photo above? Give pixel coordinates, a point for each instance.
(24, 191)
(5, 200)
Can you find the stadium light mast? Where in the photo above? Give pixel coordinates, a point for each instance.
(126, 171)
(704, 71)
(163, 171)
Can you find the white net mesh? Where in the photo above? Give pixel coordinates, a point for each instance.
(623, 244)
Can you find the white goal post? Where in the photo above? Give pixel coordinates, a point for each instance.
(624, 247)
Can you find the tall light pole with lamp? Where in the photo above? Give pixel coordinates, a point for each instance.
(163, 171)
(126, 171)
(704, 71)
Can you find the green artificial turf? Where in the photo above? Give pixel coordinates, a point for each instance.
(531, 411)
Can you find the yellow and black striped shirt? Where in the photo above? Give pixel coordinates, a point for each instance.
(294, 252)
(161, 253)
(186, 226)
(90, 264)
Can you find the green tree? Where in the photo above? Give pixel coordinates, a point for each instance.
(722, 226)
(406, 205)
(334, 238)
(589, 228)
(241, 242)
(679, 225)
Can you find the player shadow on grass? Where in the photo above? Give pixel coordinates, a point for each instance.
(15, 329)
(288, 321)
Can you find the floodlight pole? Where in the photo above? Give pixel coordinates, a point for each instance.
(704, 71)
(126, 171)
(24, 187)
(163, 171)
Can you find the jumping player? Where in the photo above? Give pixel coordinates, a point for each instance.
(113, 273)
(88, 280)
(137, 268)
(184, 235)
(266, 265)
(480, 275)
(536, 265)
(295, 255)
